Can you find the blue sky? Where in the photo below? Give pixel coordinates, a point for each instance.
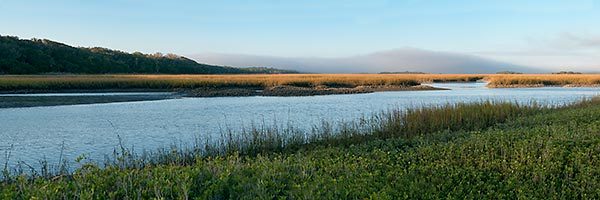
(539, 33)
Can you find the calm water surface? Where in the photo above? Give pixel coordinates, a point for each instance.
(39, 133)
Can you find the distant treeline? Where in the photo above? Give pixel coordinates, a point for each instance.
(42, 56)
(508, 72)
(267, 70)
(566, 72)
(561, 72)
(405, 72)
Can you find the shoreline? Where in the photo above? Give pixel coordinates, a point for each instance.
(417, 140)
(281, 91)
(43, 101)
(207, 92)
(291, 91)
(543, 85)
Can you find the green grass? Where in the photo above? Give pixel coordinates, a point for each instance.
(482, 150)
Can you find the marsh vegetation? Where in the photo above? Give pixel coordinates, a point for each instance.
(475, 150)
(227, 85)
(53, 83)
(543, 80)
(169, 82)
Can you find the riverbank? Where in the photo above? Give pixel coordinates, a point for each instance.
(254, 85)
(244, 83)
(497, 149)
(494, 85)
(205, 86)
(70, 97)
(543, 80)
(9, 83)
(286, 90)
(17, 99)
(35, 101)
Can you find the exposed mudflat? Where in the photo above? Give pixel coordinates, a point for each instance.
(299, 91)
(73, 97)
(33, 101)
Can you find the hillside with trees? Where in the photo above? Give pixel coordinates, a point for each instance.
(42, 56)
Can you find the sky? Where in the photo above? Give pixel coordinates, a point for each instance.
(552, 34)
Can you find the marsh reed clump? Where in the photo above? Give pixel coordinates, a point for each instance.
(541, 80)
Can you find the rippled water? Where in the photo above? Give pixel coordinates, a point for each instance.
(39, 132)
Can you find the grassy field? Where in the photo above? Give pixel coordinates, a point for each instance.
(480, 150)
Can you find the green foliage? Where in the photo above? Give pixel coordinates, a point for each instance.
(39, 56)
(510, 152)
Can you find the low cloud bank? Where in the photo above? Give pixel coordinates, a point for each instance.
(398, 60)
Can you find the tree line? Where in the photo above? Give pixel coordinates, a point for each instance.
(42, 56)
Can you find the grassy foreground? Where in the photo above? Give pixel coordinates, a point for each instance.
(482, 150)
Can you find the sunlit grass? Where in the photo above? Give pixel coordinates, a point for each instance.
(540, 80)
(170, 82)
(174, 82)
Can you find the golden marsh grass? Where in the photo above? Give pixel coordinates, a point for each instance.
(540, 80)
(61, 82)
(172, 82)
